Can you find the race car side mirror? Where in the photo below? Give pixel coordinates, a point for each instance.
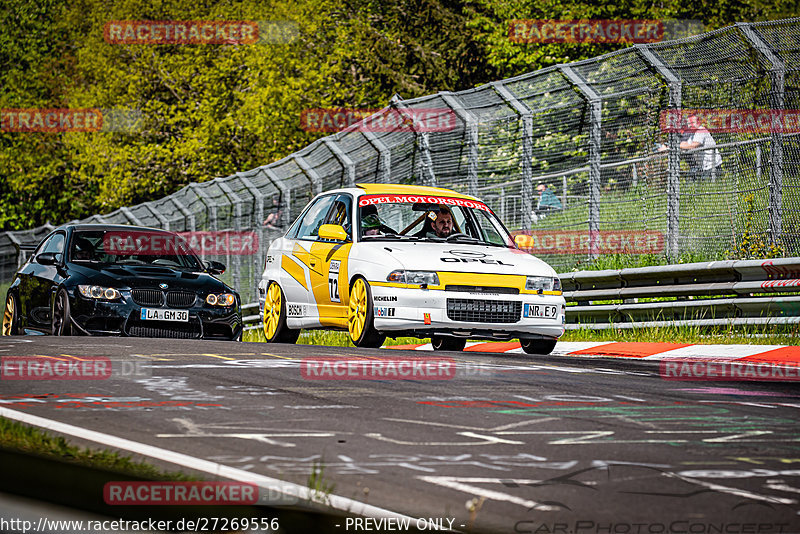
(333, 232)
(522, 241)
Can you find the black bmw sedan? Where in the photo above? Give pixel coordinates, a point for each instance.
(91, 279)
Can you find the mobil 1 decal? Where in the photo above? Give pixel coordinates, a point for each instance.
(333, 281)
(471, 256)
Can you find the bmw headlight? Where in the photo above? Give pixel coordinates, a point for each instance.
(221, 299)
(543, 283)
(414, 277)
(99, 292)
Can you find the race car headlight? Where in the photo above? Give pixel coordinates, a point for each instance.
(542, 283)
(414, 277)
(99, 292)
(221, 299)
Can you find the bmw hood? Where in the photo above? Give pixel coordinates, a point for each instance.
(147, 276)
(420, 256)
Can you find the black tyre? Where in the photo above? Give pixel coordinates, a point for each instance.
(360, 320)
(275, 329)
(61, 320)
(448, 343)
(11, 315)
(538, 346)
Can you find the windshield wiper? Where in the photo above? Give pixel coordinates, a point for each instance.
(389, 236)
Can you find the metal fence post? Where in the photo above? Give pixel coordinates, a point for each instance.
(673, 157)
(344, 159)
(424, 163)
(286, 193)
(384, 157)
(163, 221)
(187, 215)
(595, 104)
(237, 225)
(777, 74)
(308, 170)
(131, 217)
(527, 151)
(472, 139)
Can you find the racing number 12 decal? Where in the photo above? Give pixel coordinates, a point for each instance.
(333, 281)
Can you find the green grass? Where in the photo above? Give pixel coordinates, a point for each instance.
(744, 335)
(23, 438)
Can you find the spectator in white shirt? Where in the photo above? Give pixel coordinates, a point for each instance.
(702, 163)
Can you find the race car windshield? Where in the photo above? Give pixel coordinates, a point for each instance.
(430, 218)
(133, 247)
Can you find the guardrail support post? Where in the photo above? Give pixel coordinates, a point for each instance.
(527, 151)
(674, 150)
(308, 170)
(595, 103)
(777, 73)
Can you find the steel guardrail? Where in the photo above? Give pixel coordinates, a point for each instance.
(733, 293)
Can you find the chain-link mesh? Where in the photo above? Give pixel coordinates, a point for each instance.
(588, 133)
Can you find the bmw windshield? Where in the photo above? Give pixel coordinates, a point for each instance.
(429, 218)
(133, 247)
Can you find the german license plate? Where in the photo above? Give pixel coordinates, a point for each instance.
(152, 314)
(541, 311)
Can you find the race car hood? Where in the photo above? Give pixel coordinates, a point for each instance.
(421, 256)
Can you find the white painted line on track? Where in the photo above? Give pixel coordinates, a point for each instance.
(302, 493)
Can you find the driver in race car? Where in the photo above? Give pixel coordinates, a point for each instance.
(443, 224)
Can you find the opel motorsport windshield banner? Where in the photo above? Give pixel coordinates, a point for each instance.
(366, 200)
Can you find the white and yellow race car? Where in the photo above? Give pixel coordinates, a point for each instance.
(383, 260)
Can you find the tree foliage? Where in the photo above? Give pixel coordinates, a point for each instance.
(212, 110)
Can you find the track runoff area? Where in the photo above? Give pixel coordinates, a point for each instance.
(597, 438)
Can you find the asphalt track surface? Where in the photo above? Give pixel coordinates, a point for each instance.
(549, 445)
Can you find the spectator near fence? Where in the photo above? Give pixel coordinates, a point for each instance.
(548, 203)
(702, 164)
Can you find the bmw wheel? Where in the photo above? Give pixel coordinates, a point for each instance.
(448, 343)
(11, 316)
(275, 328)
(360, 316)
(538, 346)
(61, 319)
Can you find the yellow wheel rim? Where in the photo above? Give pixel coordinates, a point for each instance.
(272, 310)
(8, 317)
(357, 313)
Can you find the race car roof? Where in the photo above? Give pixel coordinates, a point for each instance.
(404, 189)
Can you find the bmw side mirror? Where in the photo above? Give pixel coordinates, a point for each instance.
(215, 267)
(46, 258)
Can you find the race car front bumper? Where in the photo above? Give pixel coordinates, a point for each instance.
(425, 312)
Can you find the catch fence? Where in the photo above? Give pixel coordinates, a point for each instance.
(592, 131)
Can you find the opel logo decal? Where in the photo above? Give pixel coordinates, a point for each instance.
(466, 253)
(162, 286)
